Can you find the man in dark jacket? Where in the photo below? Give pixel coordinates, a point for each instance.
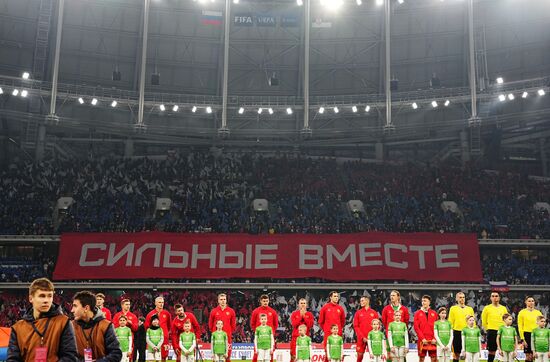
(95, 335)
(44, 333)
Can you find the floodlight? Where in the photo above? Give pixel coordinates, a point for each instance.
(24, 93)
(500, 80)
(322, 110)
(162, 107)
(208, 109)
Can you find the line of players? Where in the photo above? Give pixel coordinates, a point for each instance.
(439, 337)
(45, 333)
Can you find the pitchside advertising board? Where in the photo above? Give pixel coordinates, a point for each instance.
(337, 257)
(244, 351)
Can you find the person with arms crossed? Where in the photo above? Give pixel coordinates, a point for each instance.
(332, 313)
(376, 343)
(527, 321)
(540, 341)
(165, 322)
(362, 324)
(264, 342)
(304, 348)
(491, 320)
(299, 317)
(225, 314)
(220, 343)
(471, 341)
(457, 318)
(124, 336)
(424, 321)
(95, 336)
(335, 345)
(443, 336)
(187, 343)
(507, 339)
(398, 338)
(178, 326)
(271, 315)
(44, 332)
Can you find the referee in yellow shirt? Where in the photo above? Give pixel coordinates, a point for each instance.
(527, 321)
(457, 318)
(491, 320)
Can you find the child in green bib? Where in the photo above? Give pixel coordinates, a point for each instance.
(187, 342)
(219, 343)
(154, 338)
(335, 345)
(540, 340)
(507, 339)
(263, 340)
(376, 342)
(398, 338)
(471, 341)
(443, 335)
(124, 336)
(303, 345)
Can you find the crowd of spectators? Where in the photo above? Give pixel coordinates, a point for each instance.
(213, 193)
(200, 302)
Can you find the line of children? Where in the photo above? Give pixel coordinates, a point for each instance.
(540, 340)
(335, 345)
(304, 348)
(471, 341)
(187, 343)
(376, 343)
(219, 343)
(264, 342)
(507, 339)
(443, 336)
(398, 338)
(154, 338)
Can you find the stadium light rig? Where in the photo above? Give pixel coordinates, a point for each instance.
(502, 97)
(162, 108)
(24, 93)
(367, 109)
(208, 109)
(260, 110)
(241, 110)
(25, 75)
(194, 109)
(354, 109)
(270, 110)
(379, 2)
(1, 90)
(525, 95)
(322, 110)
(175, 108)
(114, 103)
(414, 105)
(511, 96)
(400, 1)
(94, 101)
(541, 92)
(447, 102)
(299, 2)
(332, 4)
(500, 80)
(289, 110)
(15, 92)
(359, 2)
(434, 104)
(80, 100)
(336, 110)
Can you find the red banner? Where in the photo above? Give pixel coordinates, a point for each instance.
(337, 257)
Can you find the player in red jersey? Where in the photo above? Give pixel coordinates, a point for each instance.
(332, 313)
(297, 318)
(272, 319)
(165, 321)
(99, 301)
(227, 315)
(390, 309)
(177, 327)
(424, 321)
(132, 319)
(362, 324)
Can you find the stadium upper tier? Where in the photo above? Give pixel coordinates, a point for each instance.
(215, 194)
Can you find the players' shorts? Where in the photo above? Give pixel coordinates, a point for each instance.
(264, 354)
(189, 358)
(457, 342)
(527, 339)
(125, 357)
(378, 359)
(422, 352)
(443, 352)
(492, 340)
(542, 357)
(472, 357)
(153, 356)
(360, 346)
(399, 352)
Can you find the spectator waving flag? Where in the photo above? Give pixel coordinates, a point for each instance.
(211, 17)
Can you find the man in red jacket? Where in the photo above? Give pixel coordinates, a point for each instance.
(165, 321)
(227, 315)
(272, 319)
(332, 313)
(99, 302)
(424, 320)
(177, 327)
(362, 324)
(297, 318)
(132, 319)
(389, 310)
